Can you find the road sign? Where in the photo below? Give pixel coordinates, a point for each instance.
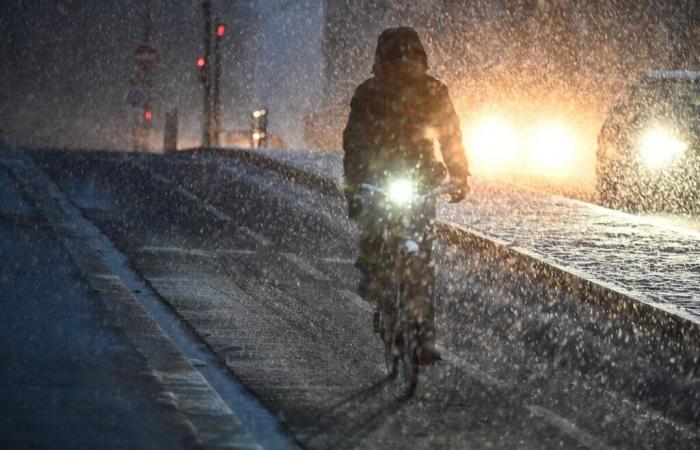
(146, 57)
(136, 98)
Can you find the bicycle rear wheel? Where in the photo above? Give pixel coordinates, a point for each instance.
(410, 362)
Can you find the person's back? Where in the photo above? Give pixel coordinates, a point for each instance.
(396, 115)
(395, 118)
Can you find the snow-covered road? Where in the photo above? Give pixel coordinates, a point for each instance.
(654, 261)
(257, 263)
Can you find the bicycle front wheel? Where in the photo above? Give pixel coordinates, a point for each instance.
(388, 332)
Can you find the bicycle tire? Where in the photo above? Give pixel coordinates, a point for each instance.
(388, 336)
(410, 362)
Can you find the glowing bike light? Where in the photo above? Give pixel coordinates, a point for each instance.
(401, 191)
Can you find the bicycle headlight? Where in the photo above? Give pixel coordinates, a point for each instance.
(401, 191)
(659, 147)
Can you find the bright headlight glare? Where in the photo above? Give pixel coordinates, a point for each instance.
(492, 142)
(401, 191)
(659, 147)
(552, 145)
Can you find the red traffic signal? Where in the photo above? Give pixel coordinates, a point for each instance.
(201, 62)
(148, 115)
(220, 30)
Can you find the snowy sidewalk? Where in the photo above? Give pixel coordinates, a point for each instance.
(654, 263)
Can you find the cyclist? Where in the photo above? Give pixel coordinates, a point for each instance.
(395, 119)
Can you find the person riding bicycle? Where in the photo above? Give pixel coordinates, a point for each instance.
(395, 119)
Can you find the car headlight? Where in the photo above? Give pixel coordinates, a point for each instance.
(552, 146)
(492, 142)
(658, 148)
(401, 191)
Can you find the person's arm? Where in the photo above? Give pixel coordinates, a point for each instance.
(357, 136)
(451, 146)
(356, 145)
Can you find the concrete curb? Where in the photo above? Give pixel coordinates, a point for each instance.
(615, 300)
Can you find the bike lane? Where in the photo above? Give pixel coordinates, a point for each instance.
(68, 379)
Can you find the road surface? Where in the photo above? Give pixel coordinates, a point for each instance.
(260, 270)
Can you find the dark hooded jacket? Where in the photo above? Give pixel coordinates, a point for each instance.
(396, 115)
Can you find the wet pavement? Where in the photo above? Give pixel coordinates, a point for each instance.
(261, 269)
(68, 377)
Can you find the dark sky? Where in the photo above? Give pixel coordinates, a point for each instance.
(67, 65)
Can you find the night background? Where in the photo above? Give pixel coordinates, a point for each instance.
(508, 260)
(67, 64)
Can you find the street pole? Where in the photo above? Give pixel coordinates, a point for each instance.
(220, 29)
(170, 131)
(140, 95)
(205, 76)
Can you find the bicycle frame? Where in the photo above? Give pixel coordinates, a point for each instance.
(404, 229)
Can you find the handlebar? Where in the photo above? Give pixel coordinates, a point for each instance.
(442, 189)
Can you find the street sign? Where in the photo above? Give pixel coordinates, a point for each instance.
(136, 98)
(146, 57)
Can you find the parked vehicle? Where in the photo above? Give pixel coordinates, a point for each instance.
(648, 155)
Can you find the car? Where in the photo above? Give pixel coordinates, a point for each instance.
(648, 152)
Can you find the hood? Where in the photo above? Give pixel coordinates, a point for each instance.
(400, 54)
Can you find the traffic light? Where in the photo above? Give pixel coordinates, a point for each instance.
(259, 128)
(201, 62)
(220, 30)
(148, 115)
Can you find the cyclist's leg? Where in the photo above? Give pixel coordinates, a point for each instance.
(421, 286)
(421, 301)
(368, 261)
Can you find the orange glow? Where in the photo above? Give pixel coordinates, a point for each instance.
(491, 143)
(528, 140)
(552, 146)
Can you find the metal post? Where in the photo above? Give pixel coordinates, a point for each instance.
(170, 131)
(217, 89)
(140, 96)
(206, 76)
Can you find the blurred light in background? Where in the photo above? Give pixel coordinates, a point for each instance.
(552, 146)
(531, 144)
(659, 148)
(491, 142)
(220, 30)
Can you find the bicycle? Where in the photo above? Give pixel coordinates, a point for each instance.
(405, 216)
